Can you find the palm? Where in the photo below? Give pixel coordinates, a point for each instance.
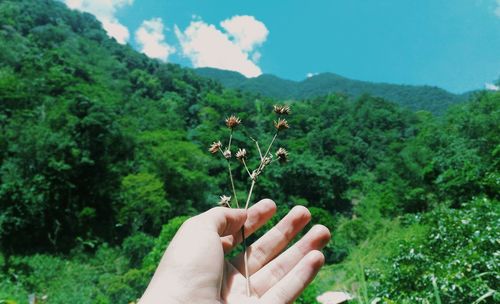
(193, 269)
(271, 271)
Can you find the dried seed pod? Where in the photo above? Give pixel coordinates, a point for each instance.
(282, 109)
(232, 122)
(282, 155)
(267, 160)
(241, 155)
(281, 124)
(227, 154)
(225, 201)
(215, 147)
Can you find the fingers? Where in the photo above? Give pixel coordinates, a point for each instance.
(273, 272)
(273, 242)
(290, 287)
(224, 221)
(258, 215)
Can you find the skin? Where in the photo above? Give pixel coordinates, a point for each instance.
(193, 268)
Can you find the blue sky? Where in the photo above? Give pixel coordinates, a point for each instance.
(454, 44)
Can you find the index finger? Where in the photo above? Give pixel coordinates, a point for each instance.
(257, 216)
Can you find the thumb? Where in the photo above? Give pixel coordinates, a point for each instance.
(224, 221)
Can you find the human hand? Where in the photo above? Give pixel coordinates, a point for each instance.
(193, 268)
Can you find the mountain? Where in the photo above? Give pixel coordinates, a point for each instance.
(428, 98)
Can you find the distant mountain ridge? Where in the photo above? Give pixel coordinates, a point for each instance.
(429, 98)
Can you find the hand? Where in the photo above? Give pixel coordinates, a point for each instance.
(193, 269)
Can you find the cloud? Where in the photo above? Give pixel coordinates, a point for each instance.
(233, 49)
(497, 10)
(491, 87)
(246, 31)
(309, 75)
(152, 40)
(105, 11)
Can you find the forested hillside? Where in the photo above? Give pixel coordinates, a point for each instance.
(103, 155)
(428, 98)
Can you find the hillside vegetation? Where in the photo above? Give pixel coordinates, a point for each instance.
(103, 155)
(428, 98)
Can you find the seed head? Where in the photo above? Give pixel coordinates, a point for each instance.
(267, 160)
(281, 124)
(232, 122)
(215, 147)
(282, 155)
(241, 154)
(227, 154)
(224, 201)
(282, 109)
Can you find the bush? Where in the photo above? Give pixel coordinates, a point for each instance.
(456, 261)
(136, 247)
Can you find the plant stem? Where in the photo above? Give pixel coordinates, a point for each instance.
(230, 171)
(250, 194)
(258, 149)
(230, 140)
(245, 253)
(271, 144)
(246, 168)
(259, 169)
(245, 260)
(232, 183)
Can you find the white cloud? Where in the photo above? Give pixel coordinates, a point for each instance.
(152, 40)
(491, 87)
(497, 10)
(105, 11)
(235, 49)
(246, 31)
(309, 75)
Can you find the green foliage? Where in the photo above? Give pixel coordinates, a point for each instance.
(180, 165)
(136, 247)
(143, 205)
(457, 256)
(308, 296)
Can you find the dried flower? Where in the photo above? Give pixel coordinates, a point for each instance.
(281, 124)
(224, 201)
(282, 155)
(227, 154)
(267, 160)
(282, 109)
(215, 147)
(232, 122)
(241, 154)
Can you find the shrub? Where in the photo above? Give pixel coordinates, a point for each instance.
(456, 262)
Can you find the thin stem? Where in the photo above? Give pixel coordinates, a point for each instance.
(232, 183)
(258, 148)
(230, 140)
(245, 164)
(245, 260)
(259, 169)
(250, 194)
(271, 144)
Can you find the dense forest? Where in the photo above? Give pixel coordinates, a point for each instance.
(428, 98)
(103, 155)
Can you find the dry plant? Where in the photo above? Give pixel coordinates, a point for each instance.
(242, 156)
